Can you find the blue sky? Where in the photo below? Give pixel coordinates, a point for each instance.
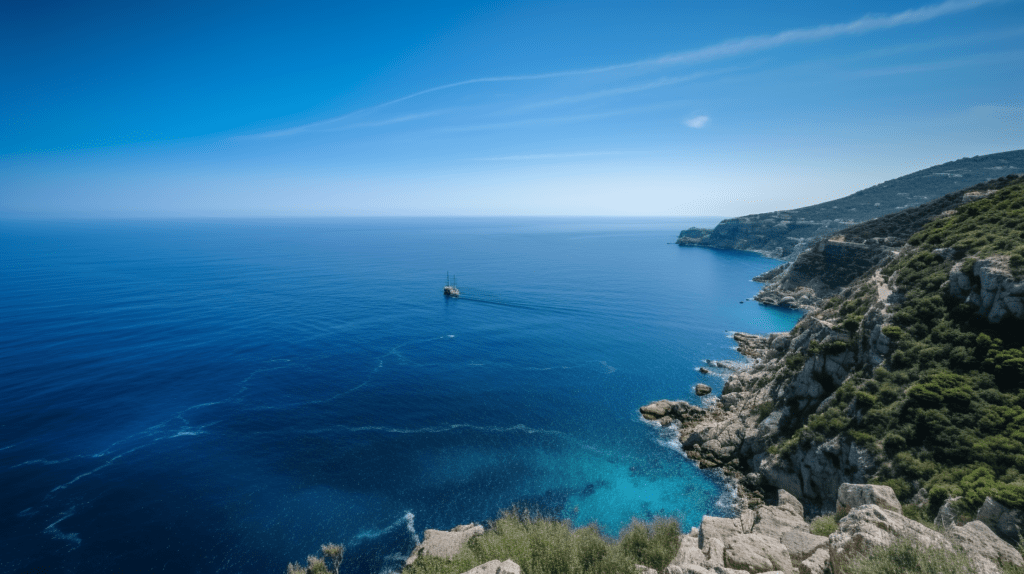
(143, 109)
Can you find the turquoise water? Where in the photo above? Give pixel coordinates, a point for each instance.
(225, 396)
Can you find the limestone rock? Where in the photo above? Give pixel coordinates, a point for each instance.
(444, 543)
(641, 569)
(717, 527)
(1002, 520)
(789, 503)
(714, 550)
(816, 564)
(870, 526)
(773, 521)
(756, 553)
(990, 285)
(496, 567)
(689, 553)
(701, 389)
(802, 545)
(947, 514)
(988, 550)
(854, 495)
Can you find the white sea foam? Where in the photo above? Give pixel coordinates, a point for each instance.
(55, 532)
(28, 512)
(405, 521)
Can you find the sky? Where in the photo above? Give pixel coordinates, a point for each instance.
(240, 109)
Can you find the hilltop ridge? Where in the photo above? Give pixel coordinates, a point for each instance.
(784, 234)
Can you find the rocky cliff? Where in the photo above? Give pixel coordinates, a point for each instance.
(910, 374)
(785, 234)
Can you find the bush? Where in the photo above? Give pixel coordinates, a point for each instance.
(653, 545)
(824, 525)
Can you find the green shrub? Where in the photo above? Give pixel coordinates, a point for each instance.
(795, 361)
(824, 525)
(653, 545)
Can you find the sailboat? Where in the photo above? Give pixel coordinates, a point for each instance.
(450, 290)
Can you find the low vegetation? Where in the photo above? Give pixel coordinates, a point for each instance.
(946, 409)
(328, 562)
(906, 557)
(542, 545)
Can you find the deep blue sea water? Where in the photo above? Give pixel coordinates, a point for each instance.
(225, 396)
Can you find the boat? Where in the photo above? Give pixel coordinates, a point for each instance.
(450, 290)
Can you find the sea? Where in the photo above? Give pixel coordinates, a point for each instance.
(227, 395)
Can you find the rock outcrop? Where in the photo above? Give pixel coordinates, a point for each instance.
(991, 286)
(444, 543)
(758, 408)
(1004, 521)
(854, 495)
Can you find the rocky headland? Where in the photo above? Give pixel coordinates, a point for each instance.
(785, 234)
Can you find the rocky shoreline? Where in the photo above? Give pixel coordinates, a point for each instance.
(778, 539)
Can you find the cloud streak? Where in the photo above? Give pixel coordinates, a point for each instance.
(726, 49)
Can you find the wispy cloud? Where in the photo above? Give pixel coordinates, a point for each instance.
(697, 122)
(728, 48)
(542, 156)
(978, 60)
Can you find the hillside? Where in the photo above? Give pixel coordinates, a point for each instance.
(912, 376)
(830, 264)
(784, 234)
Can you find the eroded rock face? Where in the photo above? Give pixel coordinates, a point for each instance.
(854, 495)
(1002, 520)
(990, 285)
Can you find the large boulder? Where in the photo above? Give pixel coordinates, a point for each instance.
(757, 553)
(1002, 520)
(496, 567)
(665, 411)
(854, 495)
(870, 526)
(989, 552)
(444, 543)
